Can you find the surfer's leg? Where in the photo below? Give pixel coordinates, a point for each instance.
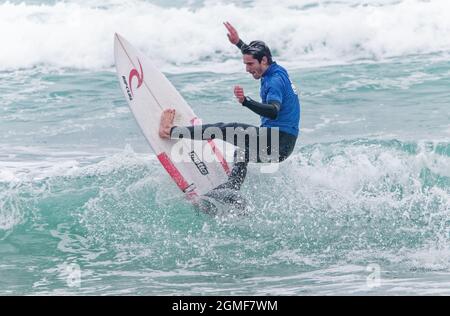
(248, 139)
(225, 131)
(238, 134)
(287, 144)
(274, 145)
(234, 133)
(277, 152)
(236, 177)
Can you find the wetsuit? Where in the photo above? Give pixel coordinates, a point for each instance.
(279, 110)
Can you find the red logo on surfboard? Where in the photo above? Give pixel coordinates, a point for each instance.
(139, 76)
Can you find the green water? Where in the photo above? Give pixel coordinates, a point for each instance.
(85, 207)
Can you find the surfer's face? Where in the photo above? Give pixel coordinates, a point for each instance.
(254, 67)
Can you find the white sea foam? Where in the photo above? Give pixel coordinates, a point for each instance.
(80, 34)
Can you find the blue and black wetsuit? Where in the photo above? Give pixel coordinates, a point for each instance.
(279, 109)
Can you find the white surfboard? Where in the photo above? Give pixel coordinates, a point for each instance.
(196, 167)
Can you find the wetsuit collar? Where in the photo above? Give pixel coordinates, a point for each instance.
(270, 70)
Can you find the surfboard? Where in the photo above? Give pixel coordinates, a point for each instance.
(196, 167)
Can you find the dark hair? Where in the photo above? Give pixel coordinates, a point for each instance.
(258, 49)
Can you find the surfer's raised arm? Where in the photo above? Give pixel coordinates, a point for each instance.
(233, 36)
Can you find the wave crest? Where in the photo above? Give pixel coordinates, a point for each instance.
(73, 35)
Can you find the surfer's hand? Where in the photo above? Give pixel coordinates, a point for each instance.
(232, 33)
(239, 94)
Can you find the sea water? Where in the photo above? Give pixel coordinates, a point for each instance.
(361, 207)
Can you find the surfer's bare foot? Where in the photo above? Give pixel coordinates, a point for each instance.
(166, 124)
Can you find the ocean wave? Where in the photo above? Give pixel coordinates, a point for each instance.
(348, 195)
(329, 213)
(190, 36)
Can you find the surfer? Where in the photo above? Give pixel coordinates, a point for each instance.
(279, 110)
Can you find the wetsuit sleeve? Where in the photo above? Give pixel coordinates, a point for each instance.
(241, 45)
(269, 110)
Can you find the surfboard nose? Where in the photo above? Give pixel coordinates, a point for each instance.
(117, 36)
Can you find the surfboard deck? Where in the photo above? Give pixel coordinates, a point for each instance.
(197, 167)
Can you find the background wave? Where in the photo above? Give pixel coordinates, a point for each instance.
(189, 35)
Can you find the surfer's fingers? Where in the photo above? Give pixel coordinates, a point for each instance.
(232, 31)
(228, 29)
(231, 28)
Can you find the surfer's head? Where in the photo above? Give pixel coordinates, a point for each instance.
(257, 58)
